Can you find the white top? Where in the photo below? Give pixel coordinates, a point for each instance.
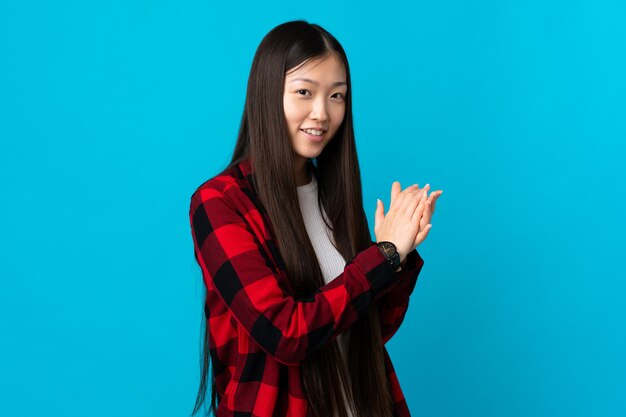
(330, 260)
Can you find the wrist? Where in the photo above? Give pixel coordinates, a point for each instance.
(402, 265)
(391, 254)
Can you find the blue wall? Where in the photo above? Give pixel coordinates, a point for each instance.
(112, 113)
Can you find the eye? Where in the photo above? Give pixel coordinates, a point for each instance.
(299, 91)
(341, 96)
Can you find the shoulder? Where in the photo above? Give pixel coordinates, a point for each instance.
(217, 185)
(225, 199)
(229, 189)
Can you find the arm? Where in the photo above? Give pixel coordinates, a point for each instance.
(394, 302)
(233, 263)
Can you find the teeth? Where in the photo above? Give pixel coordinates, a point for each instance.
(314, 132)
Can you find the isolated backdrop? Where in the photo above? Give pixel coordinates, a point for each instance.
(112, 113)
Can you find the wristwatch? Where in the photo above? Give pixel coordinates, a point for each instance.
(388, 249)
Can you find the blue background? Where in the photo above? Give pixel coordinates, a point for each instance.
(112, 113)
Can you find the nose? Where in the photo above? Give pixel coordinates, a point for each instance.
(318, 112)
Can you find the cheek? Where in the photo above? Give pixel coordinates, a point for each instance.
(293, 113)
(338, 115)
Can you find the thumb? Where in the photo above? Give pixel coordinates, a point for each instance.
(380, 213)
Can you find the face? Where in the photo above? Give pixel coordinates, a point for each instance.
(314, 98)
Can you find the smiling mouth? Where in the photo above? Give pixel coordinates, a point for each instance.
(313, 134)
(315, 138)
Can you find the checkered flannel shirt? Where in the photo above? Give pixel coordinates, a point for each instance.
(258, 332)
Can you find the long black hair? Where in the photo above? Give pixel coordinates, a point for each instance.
(264, 137)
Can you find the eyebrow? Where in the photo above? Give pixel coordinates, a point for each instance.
(316, 83)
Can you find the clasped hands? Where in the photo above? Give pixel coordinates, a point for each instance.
(407, 221)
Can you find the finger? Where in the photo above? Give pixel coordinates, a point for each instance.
(409, 200)
(427, 215)
(421, 236)
(414, 201)
(423, 201)
(426, 189)
(435, 195)
(395, 190)
(403, 199)
(430, 209)
(379, 215)
(418, 212)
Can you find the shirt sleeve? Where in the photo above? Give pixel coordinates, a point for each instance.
(393, 303)
(236, 266)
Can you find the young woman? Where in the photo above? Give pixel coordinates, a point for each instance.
(300, 301)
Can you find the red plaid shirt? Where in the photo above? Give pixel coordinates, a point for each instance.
(258, 332)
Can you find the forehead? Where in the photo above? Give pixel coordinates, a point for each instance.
(326, 70)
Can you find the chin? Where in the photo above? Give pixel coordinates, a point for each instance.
(310, 154)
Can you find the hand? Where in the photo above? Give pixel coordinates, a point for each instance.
(400, 225)
(429, 209)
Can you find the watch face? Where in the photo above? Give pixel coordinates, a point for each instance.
(388, 247)
(391, 253)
